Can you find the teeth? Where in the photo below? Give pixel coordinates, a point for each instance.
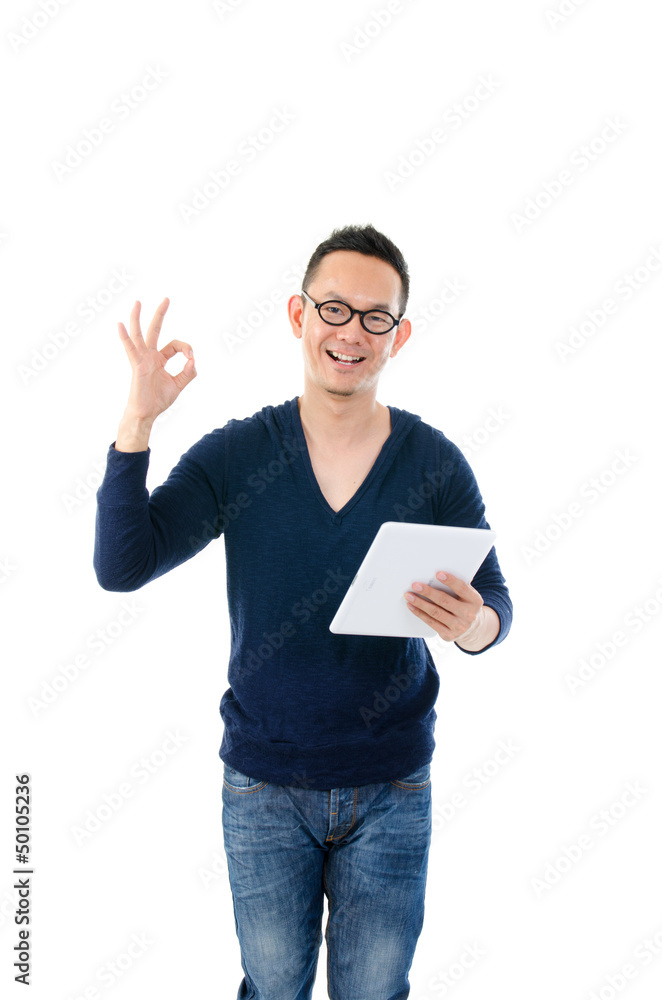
(344, 357)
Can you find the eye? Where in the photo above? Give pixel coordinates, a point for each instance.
(378, 321)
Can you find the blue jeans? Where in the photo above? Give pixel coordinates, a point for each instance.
(365, 847)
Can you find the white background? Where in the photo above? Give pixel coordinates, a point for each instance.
(362, 96)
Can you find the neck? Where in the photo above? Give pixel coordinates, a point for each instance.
(345, 421)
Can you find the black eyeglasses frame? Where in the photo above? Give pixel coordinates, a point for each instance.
(352, 312)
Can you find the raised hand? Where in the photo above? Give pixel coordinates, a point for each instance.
(153, 389)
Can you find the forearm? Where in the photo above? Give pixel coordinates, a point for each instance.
(482, 632)
(139, 537)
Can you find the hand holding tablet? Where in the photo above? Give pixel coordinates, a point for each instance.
(453, 618)
(400, 554)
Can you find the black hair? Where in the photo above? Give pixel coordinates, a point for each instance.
(366, 240)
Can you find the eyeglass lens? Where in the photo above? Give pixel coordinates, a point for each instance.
(338, 312)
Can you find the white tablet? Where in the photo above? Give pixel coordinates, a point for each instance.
(400, 554)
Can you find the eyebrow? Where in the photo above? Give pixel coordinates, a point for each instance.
(337, 297)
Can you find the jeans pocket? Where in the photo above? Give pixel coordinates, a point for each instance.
(237, 781)
(418, 779)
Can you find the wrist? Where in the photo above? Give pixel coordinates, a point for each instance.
(482, 631)
(133, 433)
(476, 624)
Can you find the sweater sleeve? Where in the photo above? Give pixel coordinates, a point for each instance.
(139, 537)
(461, 505)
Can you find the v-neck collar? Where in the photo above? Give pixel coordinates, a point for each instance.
(399, 426)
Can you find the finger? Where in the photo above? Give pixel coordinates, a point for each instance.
(435, 595)
(128, 343)
(462, 589)
(155, 326)
(129, 346)
(449, 627)
(176, 347)
(136, 335)
(430, 609)
(186, 375)
(441, 628)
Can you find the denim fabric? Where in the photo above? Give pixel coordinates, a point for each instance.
(365, 847)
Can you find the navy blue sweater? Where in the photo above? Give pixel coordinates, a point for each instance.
(305, 706)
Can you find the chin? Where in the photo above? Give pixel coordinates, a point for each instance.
(339, 392)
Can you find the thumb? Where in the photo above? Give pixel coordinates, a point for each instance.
(186, 375)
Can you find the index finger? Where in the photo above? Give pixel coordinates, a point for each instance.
(155, 326)
(461, 588)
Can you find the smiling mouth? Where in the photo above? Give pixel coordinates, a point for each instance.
(345, 360)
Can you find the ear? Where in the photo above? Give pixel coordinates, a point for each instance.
(401, 337)
(295, 313)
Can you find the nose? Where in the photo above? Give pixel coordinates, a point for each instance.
(352, 332)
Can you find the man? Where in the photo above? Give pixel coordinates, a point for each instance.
(327, 737)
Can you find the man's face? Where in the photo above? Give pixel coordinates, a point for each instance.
(363, 283)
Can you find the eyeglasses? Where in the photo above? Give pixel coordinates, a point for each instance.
(339, 313)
